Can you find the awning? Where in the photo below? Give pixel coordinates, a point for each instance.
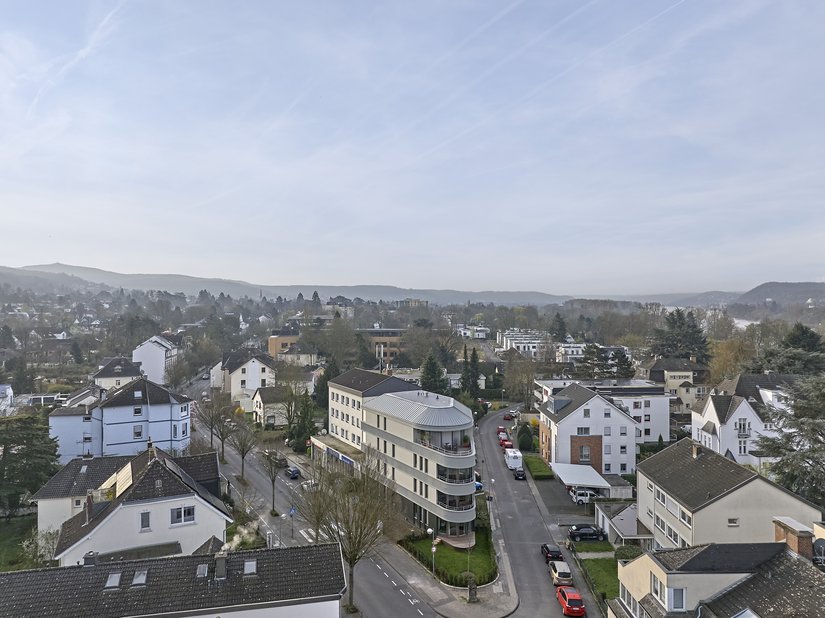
(579, 475)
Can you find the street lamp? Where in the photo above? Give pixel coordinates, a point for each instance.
(502, 396)
(431, 531)
(281, 530)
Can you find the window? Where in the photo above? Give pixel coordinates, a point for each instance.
(250, 567)
(183, 514)
(647, 431)
(660, 496)
(138, 394)
(117, 382)
(243, 370)
(743, 447)
(87, 438)
(77, 503)
(678, 595)
(184, 429)
(607, 449)
(415, 484)
(606, 413)
(647, 418)
(638, 419)
(607, 468)
(586, 413)
(263, 382)
(243, 383)
(137, 411)
(657, 589)
(622, 468)
(607, 431)
(733, 522)
(623, 449)
(622, 431)
(637, 405)
(647, 403)
(144, 520)
(184, 410)
(137, 432)
(660, 523)
(393, 450)
(584, 453)
(415, 460)
(87, 419)
(582, 431)
(685, 517)
(263, 369)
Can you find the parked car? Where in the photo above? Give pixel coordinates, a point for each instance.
(560, 573)
(500, 430)
(583, 496)
(205, 376)
(519, 475)
(570, 600)
(292, 472)
(551, 552)
(505, 444)
(507, 416)
(479, 486)
(309, 485)
(586, 533)
(502, 438)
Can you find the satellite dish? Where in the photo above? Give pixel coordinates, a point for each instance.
(819, 548)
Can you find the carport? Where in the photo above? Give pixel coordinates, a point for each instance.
(579, 475)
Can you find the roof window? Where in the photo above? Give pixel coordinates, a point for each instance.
(250, 567)
(113, 581)
(138, 394)
(202, 570)
(140, 578)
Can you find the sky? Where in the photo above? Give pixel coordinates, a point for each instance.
(561, 146)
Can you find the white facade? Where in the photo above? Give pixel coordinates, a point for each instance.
(157, 355)
(122, 429)
(6, 398)
(529, 343)
(249, 377)
(122, 529)
(52, 512)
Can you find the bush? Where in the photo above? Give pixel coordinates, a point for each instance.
(628, 552)
(539, 470)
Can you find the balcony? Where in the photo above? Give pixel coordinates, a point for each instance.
(743, 432)
(455, 476)
(447, 442)
(455, 503)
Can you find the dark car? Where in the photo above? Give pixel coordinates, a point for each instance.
(292, 472)
(570, 601)
(587, 533)
(551, 552)
(519, 475)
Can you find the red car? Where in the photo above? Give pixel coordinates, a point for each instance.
(570, 601)
(507, 416)
(506, 444)
(500, 429)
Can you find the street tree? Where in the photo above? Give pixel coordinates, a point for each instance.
(475, 374)
(465, 372)
(212, 413)
(271, 465)
(518, 380)
(244, 441)
(362, 502)
(304, 424)
(799, 446)
(313, 500)
(28, 458)
(225, 427)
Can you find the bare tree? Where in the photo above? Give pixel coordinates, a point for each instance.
(271, 465)
(212, 414)
(313, 500)
(361, 502)
(244, 441)
(224, 428)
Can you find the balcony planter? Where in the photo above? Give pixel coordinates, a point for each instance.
(465, 441)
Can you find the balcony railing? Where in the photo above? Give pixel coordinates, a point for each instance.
(449, 449)
(456, 506)
(455, 479)
(744, 433)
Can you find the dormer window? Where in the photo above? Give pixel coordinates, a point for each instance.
(138, 394)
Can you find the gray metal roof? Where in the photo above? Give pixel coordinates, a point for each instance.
(422, 408)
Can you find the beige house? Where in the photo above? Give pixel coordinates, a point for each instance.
(689, 495)
(268, 406)
(724, 580)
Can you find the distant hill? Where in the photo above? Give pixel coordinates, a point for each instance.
(236, 289)
(700, 299)
(784, 293)
(44, 282)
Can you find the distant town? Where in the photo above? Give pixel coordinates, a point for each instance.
(166, 452)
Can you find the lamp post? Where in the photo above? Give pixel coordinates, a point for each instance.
(431, 532)
(281, 530)
(502, 396)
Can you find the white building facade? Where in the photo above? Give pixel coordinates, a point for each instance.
(157, 355)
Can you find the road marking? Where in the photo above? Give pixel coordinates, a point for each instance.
(420, 612)
(379, 566)
(385, 575)
(394, 584)
(411, 603)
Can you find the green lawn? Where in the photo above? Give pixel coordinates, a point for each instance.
(538, 468)
(603, 573)
(451, 562)
(11, 534)
(594, 546)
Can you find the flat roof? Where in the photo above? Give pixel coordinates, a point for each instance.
(579, 475)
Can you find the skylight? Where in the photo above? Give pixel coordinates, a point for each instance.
(139, 578)
(250, 567)
(113, 581)
(202, 570)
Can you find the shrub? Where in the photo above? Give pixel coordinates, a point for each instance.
(539, 470)
(628, 552)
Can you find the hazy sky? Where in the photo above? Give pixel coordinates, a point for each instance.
(568, 147)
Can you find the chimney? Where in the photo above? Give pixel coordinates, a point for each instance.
(696, 450)
(220, 565)
(797, 536)
(90, 558)
(90, 501)
(151, 448)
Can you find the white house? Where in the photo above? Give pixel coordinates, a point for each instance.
(149, 504)
(579, 426)
(157, 355)
(306, 581)
(6, 398)
(724, 580)
(123, 421)
(689, 495)
(736, 414)
(64, 495)
(242, 372)
(268, 406)
(644, 400)
(115, 372)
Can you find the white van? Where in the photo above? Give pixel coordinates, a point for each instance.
(513, 459)
(583, 496)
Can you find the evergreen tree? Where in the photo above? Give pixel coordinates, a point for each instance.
(77, 353)
(315, 298)
(622, 365)
(465, 372)
(432, 376)
(525, 437)
(593, 364)
(803, 338)
(23, 379)
(7, 337)
(475, 374)
(322, 386)
(558, 328)
(799, 447)
(682, 337)
(28, 458)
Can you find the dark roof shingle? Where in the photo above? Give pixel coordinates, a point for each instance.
(370, 383)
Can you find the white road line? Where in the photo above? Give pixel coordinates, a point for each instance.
(420, 612)
(385, 575)
(394, 584)
(411, 601)
(379, 566)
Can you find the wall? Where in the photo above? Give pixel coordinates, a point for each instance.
(324, 609)
(158, 421)
(152, 358)
(70, 433)
(122, 529)
(53, 512)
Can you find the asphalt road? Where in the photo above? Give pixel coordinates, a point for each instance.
(378, 587)
(523, 526)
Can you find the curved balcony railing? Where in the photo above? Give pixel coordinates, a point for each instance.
(455, 479)
(447, 449)
(455, 506)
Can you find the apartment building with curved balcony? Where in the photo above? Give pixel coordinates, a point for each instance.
(425, 441)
